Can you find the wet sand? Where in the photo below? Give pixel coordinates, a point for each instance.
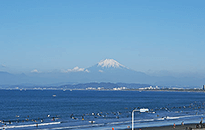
(177, 127)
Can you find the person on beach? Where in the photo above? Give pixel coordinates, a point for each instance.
(174, 125)
(197, 125)
(201, 123)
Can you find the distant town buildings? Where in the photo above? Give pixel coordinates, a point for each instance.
(110, 88)
(102, 88)
(121, 88)
(149, 88)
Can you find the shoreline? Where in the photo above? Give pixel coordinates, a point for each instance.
(169, 127)
(59, 89)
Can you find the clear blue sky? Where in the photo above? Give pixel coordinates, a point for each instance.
(141, 34)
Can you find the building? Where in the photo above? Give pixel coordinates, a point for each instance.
(203, 87)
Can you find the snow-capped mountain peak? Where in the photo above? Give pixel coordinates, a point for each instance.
(107, 63)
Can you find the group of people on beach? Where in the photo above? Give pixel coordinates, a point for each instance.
(200, 125)
(118, 114)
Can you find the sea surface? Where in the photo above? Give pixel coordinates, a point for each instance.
(97, 110)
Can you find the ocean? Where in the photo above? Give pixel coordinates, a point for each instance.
(97, 110)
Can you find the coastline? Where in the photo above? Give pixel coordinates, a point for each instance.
(169, 127)
(145, 90)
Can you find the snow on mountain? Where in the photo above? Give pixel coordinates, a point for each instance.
(107, 63)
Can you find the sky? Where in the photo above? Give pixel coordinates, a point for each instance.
(144, 35)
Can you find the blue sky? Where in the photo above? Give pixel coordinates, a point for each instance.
(145, 35)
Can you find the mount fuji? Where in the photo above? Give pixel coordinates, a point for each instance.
(109, 70)
(107, 63)
(106, 66)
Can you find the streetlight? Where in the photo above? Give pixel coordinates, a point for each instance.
(133, 118)
(141, 110)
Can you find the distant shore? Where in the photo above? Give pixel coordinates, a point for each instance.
(174, 90)
(140, 90)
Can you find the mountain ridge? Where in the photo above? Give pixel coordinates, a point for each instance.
(108, 70)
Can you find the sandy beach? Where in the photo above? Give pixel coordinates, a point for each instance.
(177, 127)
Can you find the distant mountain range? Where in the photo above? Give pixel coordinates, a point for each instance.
(107, 70)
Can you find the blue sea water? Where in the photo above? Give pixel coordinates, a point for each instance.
(55, 109)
